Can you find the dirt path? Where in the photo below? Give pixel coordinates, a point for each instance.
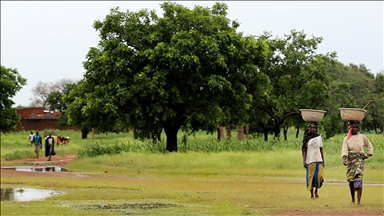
(57, 160)
(43, 161)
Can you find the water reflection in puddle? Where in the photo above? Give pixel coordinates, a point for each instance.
(36, 168)
(25, 194)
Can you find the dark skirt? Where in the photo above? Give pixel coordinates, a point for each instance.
(49, 150)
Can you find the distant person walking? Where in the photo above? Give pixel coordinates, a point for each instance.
(353, 157)
(30, 139)
(313, 160)
(49, 147)
(37, 140)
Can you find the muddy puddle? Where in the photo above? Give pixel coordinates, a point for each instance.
(25, 194)
(36, 168)
(150, 207)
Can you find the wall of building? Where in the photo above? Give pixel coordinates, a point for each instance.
(41, 124)
(34, 118)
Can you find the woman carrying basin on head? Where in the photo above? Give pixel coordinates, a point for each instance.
(353, 157)
(313, 160)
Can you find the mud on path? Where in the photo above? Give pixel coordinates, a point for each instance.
(57, 160)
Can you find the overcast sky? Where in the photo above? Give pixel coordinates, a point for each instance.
(48, 40)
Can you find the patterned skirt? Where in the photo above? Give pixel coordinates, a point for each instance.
(355, 169)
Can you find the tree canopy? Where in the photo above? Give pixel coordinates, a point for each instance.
(185, 70)
(10, 83)
(299, 80)
(191, 69)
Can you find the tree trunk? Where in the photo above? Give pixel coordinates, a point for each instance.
(247, 131)
(229, 133)
(240, 133)
(265, 134)
(171, 127)
(84, 133)
(171, 134)
(285, 131)
(220, 133)
(297, 132)
(276, 131)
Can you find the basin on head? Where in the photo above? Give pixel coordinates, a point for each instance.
(352, 114)
(311, 115)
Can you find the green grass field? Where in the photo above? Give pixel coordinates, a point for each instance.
(206, 177)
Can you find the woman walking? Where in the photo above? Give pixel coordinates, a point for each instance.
(353, 157)
(313, 160)
(49, 147)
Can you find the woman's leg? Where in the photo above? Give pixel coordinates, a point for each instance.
(316, 194)
(359, 193)
(50, 152)
(352, 190)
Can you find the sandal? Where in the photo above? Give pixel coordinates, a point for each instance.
(360, 204)
(352, 203)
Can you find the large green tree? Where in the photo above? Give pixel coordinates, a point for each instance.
(74, 112)
(352, 86)
(184, 70)
(364, 87)
(378, 105)
(299, 78)
(339, 95)
(10, 83)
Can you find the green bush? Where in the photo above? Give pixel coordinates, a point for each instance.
(96, 149)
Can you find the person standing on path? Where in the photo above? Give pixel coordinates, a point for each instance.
(30, 139)
(313, 160)
(49, 147)
(37, 140)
